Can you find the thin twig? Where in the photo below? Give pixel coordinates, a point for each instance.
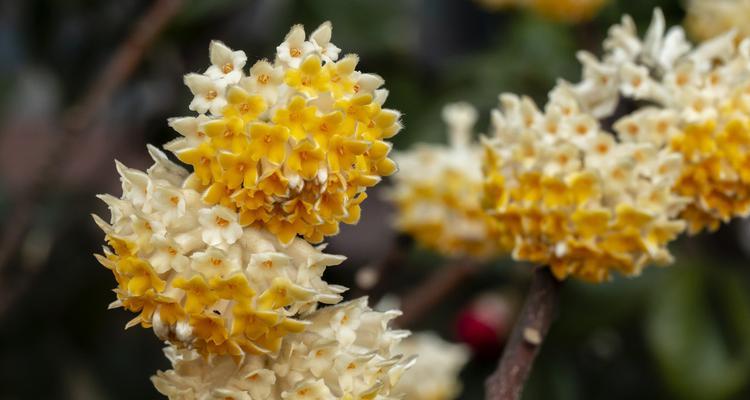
(77, 120)
(81, 116)
(540, 309)
(434, 290)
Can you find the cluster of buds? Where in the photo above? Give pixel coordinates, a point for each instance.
(211, 258)
(439, 188)
(292, 146)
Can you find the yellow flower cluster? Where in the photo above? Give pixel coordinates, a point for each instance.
(199, 279)
(438, 191)
(699, 108)
(710, 18)
(569, 195)
(568, 11)
(293, 145)
(717, 175)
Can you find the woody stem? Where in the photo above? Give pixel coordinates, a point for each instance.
(530, 330)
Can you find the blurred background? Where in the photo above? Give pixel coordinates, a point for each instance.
(83, 82)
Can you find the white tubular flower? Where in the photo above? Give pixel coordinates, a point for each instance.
(699, 107)
(438, 191)
(208, 93)
(434, 375)
(233, 290)
(226, 65)
(310, 365)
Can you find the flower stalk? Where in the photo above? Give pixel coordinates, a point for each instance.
(529, 332)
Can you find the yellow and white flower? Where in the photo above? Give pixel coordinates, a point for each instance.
(293, 145)
(310, 365)
(231, 290)
(434, 375)
(210, 258)
(437, 193)
(566, 193)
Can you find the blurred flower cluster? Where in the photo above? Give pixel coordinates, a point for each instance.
(569, 11)
(710, 18)
(697, 104)
(434, 375)
(233, 295)
(570, 191)
(437, 192)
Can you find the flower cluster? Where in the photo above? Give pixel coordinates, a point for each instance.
(434, 375)
(438, 191)
(568, 194)
(710, 18)
(292, 145)
(569, 11)
(211, 260)
(196, 276)
(345, 353)
(696, 102)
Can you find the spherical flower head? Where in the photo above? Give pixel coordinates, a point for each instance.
(710, 18)
(438, 191)
(568, 194)
(347, 352)
(699, 107)
(196, 276)
(434, 375)
(292, 144)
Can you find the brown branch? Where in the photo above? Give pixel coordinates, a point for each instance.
(434, 290)
(74, 123)
(507, 382)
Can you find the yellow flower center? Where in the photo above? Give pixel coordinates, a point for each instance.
(227, 68)
(211, 94)
(215, 262)
(221, 222)
(263, 79)
(295, 52)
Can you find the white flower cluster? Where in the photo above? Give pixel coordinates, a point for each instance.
(438, 191)
(346, 352)
(434, 375)
(694, 101)
(199, 278)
